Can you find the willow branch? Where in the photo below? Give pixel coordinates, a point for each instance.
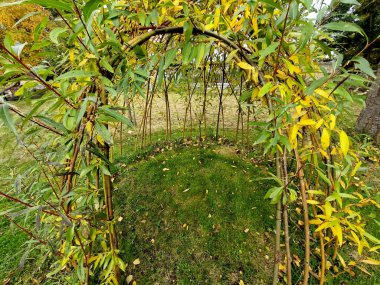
(24, 203)
(36, 76)
(34, 120)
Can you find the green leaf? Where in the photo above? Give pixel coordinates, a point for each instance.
(338, 61)
(352, 2)
(274, 194)
(267, 51)
(188, 31)
(247, 94)
(186, 52)
(25, 17)
(114, 114)
(169, 57)
(86, 170)
(103, 133)
(54, 34)
(104, 170)
(363, 64)
(7, 4)
(324, 177)
(8, 42)
(104, 63)
(52, 123)
(56, 4)
(264, 90)
(200, 53)
(272, 3)
(7, 118)
(81, 112)
(345, 27)
(77, 74)
(70, 234)
(263, 137)
(317, 83)
(306, 33)
(90, 7)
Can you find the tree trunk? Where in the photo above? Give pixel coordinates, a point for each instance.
(369, 118)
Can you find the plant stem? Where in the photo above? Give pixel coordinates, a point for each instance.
(277, 249)
(286, 223)
(301, 176)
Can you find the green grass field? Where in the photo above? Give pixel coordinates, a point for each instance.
(187, 214)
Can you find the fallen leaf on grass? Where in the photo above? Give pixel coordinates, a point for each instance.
(129, 278)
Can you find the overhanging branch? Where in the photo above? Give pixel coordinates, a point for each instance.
(179, 30)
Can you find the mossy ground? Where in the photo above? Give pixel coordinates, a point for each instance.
(195, 216)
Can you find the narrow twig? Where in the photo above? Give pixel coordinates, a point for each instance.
(281, 40)
(69, 26)
(34, 120)
(24, 230)
(25, 204)
(36, 76)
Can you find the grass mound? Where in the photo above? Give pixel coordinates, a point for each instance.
(195, 216)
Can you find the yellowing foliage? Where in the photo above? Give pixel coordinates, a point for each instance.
(22, 32)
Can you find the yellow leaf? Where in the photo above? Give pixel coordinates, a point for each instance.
(217, 17)
(293, 136)
(319, 124)
(306, 122)
(363, 269)
(100, 139)
(332, 121)
(325, 154)
(375, 248)
(325, 139)
(344, 142)
(136, 261)
(353, 172)
(337, 231)
(294, 58)
(245, 65)
(312, 202)
(328, 209)
(255, 93)
(209, 26)
(342, 261)
(315, 222)
(371, 261)
(129, 279)
(72, 56)
(322, 92)
(254, 75)
(323, 226)
(89, 128)
(255, 26)
(241, 282)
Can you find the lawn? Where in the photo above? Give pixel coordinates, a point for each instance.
(195, 216)
(188, 212)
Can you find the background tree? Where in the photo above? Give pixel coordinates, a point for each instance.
(365, 14)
